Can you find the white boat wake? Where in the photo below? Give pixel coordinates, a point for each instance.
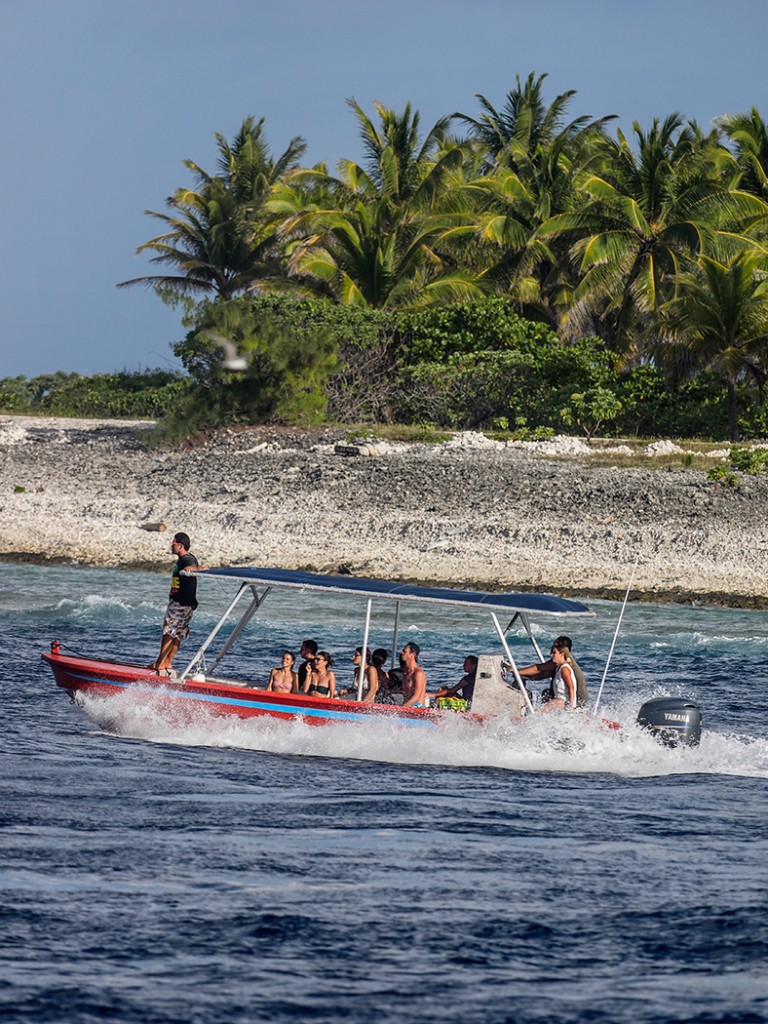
(565, 743)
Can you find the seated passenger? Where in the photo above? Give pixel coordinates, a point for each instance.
(352, 689)
(391, 685)
(284, 679)
(547, 669)
(414, 678)
(308, 651)
(375, 675)
(466, 685)
(563, 681)
(356, 659)
(322, 682)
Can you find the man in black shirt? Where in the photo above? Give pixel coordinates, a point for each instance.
(308, 652)
(182, 601)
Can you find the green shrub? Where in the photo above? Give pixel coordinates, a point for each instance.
(126, 395)
(590, 409)
(464, 328)
(749, 460)
(722, 475)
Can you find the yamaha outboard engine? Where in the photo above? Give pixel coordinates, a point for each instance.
(674, 721)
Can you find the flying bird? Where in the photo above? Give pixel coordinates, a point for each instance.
(232, 359)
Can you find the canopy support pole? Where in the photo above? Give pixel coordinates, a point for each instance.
(526, 621)
(250, 611)
(615, 636)
(363, 661)
(511, 660)
(393, 663)
(214, 632)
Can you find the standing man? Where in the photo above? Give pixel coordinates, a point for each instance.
(414, 678)
(182, 601)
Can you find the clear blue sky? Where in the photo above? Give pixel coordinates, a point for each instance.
(102, 100)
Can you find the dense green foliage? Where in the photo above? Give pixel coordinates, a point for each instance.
(141, 395)
(470, 365)
(519, 269)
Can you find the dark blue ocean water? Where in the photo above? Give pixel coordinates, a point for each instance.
(229, 872)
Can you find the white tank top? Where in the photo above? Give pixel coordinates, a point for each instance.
(559, 689)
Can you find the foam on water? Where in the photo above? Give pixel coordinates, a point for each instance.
(571, 744)
(101, 608)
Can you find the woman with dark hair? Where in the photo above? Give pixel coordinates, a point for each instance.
(375, 675)
(284, 679)
(323, 681)
(357, 658)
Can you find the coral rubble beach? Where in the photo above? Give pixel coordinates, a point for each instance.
(466, 512)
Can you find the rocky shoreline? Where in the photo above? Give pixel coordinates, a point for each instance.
(467, 512)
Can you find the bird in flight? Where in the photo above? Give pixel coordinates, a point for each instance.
(232, 359)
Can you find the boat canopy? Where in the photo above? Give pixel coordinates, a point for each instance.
(299, 580)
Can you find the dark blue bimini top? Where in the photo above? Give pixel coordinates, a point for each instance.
(293, 578)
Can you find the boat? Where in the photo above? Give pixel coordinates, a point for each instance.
(499, 688)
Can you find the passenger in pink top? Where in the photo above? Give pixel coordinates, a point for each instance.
(284, 679)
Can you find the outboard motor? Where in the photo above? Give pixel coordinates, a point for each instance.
(674, 721)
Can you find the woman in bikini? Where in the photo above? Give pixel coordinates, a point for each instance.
(322, 682)
(284, 679)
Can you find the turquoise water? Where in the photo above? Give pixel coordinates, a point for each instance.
(247, 871)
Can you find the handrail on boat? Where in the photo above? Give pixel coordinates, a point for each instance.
(522, 605)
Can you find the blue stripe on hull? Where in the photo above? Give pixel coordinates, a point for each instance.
(239, 702)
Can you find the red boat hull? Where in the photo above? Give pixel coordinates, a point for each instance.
(93, 677)
(183, 701)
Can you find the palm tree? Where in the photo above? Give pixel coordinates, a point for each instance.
(749, 135)
(508, 208)
(720, 319)
(645, 222)
(526, 125)
(532, 161)
(367, 237)
(221, 239)
(246, 166)
(397, 160)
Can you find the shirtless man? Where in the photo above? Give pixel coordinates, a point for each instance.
(414, 678)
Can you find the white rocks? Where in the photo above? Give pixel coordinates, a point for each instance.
(561, 446)
(265, 446)
(368, 449)
(474, 510)
(660, 448)
(13, 431)
(470, 440)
